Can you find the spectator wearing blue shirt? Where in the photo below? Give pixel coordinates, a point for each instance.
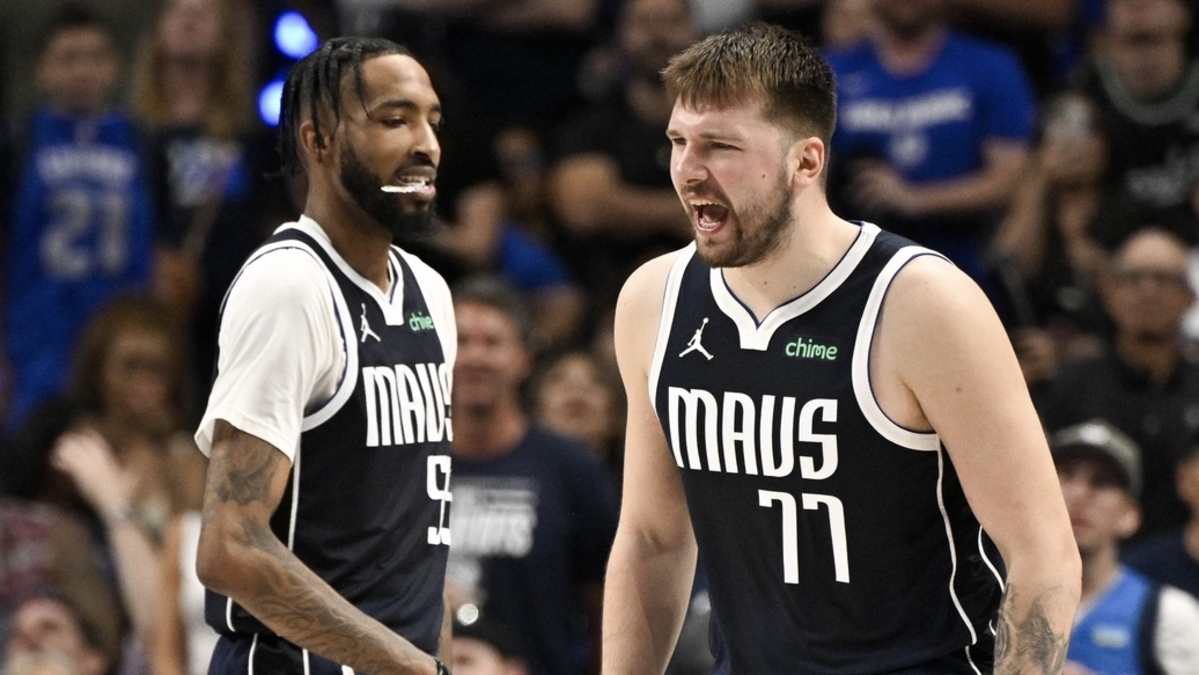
(933, 132)
(1125, 623)
(80, 228)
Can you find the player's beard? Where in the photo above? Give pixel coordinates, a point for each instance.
(406, 223)
(761, 231)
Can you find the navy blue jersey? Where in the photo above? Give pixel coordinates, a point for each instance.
(81, 231)
(835, 541)
(367, 503)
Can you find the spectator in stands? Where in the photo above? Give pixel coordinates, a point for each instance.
(1173, 557)
(1146, 85)
(116, 451)
(505, 226)
(50, 628)
(1044, 252)
(579, 395)
(612, 191)
(43, 549)
(1142, 384)
(483, 646)
(1125, 623)
(933, 131)
(192, 91)
(534, 515)
(82, 225)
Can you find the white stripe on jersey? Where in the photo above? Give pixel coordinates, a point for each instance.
(670, 300)
(953, 553)
(888, 429)
(756, 336)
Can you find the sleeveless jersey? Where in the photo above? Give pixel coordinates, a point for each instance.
(834, 540)
(1111, 639)
(81, 231)
(367, 503)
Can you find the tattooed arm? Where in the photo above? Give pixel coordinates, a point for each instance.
(1033, 631)
(240, 557)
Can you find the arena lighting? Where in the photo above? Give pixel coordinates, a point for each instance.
(269, 101)
(293, 36)
(293, 39)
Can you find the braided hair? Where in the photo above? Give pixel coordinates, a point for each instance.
(317, 79)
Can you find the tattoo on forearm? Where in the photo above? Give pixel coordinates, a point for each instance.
(1027, 644)
(288, 597)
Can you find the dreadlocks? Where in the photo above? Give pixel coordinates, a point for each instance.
(314, 84)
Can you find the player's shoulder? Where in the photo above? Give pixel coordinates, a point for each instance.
(431, 281)
(645, 285)
(281, 271)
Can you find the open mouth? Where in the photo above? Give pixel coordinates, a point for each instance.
(709, 216)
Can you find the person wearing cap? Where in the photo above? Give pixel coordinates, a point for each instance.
(483, 646)
(1125, 622)
(1173, 556)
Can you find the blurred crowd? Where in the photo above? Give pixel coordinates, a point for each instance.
(1050, 149)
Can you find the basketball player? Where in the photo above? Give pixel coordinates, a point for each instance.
(325, 524)
(858, 436)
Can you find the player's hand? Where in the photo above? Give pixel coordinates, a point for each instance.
(1076, 668)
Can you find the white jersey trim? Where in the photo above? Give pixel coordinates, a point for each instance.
(953, 553)
(862, 387)
(982, 551)
(390, 302)
(670, 301)
(250, 658)
(349, 372)
(755, 336)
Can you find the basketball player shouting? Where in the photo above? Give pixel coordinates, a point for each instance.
(830, 415)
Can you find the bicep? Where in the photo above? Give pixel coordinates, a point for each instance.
(964, 376)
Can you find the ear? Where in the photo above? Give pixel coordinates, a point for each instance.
(313, 144)
(805, 161)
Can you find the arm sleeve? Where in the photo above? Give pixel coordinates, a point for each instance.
(1177, 641)
(280, 350)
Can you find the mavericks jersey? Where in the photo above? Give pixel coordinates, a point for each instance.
(81, 231)
(367, 503)
(834, 540)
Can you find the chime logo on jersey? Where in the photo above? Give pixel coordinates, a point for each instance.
(735, 433)
(407, 404)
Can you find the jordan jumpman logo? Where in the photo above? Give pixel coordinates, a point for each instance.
(366, 327)
(693, 345)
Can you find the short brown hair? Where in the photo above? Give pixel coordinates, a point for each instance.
(761, 61)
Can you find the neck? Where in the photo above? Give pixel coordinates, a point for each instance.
(188, 85)
(1099, 571)
(908, 54)
(815, 244)
(360, 241)
(1156, 355)
(488, 431)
